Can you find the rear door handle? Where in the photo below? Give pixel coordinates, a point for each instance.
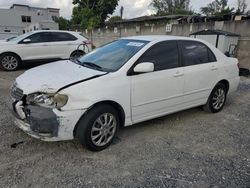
(213, 67)
(178, 74)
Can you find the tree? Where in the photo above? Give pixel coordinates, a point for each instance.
(167, 7)
(242, 6)
(63, 23)
(85, 17)
(91, 13)
(114, 19)
(217, 7)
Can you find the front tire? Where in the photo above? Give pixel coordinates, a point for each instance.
(98, 127)
(10, 62)
(217, 99)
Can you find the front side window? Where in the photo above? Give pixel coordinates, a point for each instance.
(39, 37)
(164, 55)
(112, 56)
(195, 53)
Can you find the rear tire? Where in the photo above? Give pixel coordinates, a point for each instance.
(10, 62)
(77, 54)
(217, 99)
(98, 127)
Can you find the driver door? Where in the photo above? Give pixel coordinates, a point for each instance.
(38, 47)
(159, 92)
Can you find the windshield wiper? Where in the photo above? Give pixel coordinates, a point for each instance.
(89, 65)
(74, 60)
(92, 65)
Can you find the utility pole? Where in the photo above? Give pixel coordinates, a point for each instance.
(121, 15)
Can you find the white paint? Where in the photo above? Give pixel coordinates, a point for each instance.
(43, 50)
(57, 75)
(142, 97)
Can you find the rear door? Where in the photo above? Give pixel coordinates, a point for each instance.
(61, 44)
(159, 92)
(200, 72)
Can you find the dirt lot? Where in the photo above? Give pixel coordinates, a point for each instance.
(187, 149)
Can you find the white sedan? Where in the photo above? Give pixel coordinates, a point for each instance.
(119, 84)
(41, 46)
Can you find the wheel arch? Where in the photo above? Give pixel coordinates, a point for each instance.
(9, 52)
(75, 51)
(117, 106)
(225, 82)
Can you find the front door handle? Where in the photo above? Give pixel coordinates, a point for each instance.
(178, 74)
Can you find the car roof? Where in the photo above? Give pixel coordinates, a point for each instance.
(152, 38)
(38, 31)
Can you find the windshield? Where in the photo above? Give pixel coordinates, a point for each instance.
(112, 56)
(8, 39)
(19, 37)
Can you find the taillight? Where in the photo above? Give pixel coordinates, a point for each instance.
(87, 42)
(238, 65)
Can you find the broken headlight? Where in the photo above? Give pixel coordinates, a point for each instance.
(47, 100)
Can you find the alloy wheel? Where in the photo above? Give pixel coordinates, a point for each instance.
(218, 99)
(9, 62)
(103, 129)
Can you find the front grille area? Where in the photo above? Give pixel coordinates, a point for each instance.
(16, 92)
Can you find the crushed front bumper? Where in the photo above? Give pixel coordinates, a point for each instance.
(27, 129)
(44, 123)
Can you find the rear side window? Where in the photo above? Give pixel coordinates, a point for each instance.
(164, 55)
(61, 36)
(195, 53)
(211, 56)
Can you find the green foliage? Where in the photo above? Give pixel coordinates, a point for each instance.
(114, 19)
(92, 13)
(63, 23)
(217, 7)
(169, 7)
(85, 17)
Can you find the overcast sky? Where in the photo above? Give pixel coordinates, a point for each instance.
(132, 8)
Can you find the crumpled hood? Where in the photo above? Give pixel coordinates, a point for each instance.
(51, 77)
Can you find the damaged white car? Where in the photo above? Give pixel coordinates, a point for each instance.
(127, 81)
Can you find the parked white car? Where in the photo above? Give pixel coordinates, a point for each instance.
(119, 84)
(41, 46)
(8, 39)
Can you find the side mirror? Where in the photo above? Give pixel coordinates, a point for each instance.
(26, 41)
(144, 67)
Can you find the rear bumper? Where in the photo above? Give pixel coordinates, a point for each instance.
(233, 84)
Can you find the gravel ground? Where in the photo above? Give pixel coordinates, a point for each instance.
(187, 149)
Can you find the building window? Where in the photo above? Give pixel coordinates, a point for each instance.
(54, 18)
(26, 19)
